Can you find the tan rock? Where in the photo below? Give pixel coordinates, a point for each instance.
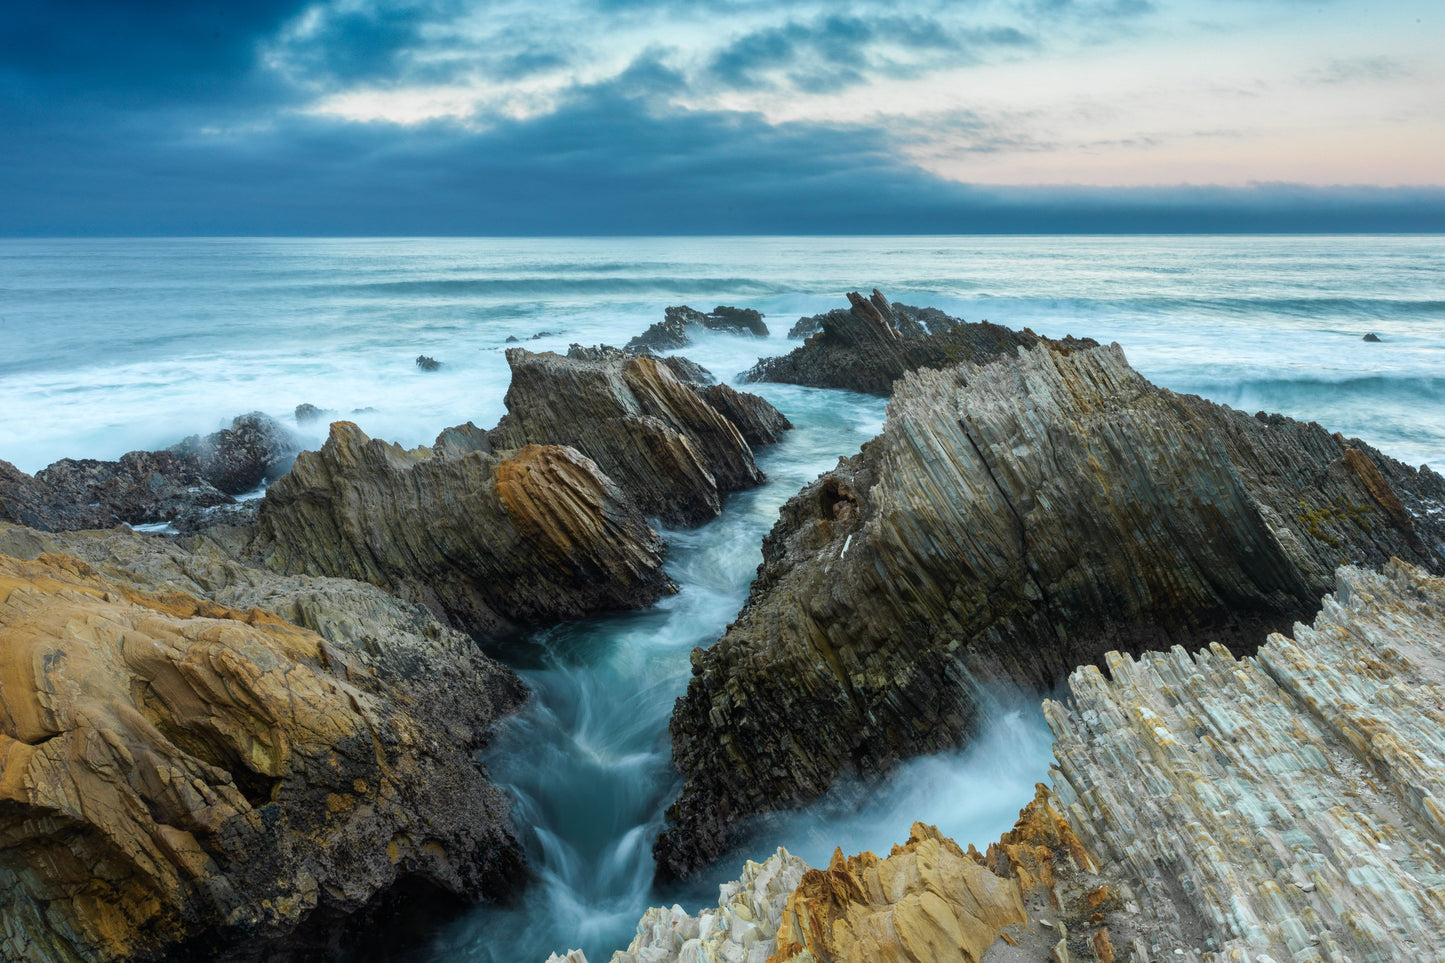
(172, 768)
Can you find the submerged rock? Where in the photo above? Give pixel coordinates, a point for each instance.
(672, 452)
(869, 346)
(489, 540)
(184, 776)
(427, 363)
(1011, 522)
(678, 321)
(1371, 337)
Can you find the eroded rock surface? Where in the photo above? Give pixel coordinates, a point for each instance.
(674, 331)
(1287, 804)
(238, 459)
(671, 451)
(490, 540)
(182, 775)
(1013, 521)
(869, 346)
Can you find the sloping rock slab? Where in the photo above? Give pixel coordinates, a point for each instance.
(1014, 521)
(487, 540)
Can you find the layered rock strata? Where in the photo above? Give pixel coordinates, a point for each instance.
(869, 346)
(1286, 805)
(673, 453)
(675, 330)
(1011, 522)
(185, 777)
(488, 539)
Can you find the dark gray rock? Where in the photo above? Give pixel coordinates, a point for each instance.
(673, 331)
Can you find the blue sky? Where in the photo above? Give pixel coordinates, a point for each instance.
(721, 116)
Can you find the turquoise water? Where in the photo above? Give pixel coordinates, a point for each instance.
(119, 344)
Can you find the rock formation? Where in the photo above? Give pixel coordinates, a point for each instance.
(1290, 803)
(757, 421)
(182, 775)
(143, 487)
(489, 540)
(236, 460)
(871, 345)
(672, 452)
(685, 369)
(931, 320)
(1011, 522)
(674, 331)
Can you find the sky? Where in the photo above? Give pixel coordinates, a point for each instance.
(420, 117)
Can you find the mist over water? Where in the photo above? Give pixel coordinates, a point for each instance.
(114, 345)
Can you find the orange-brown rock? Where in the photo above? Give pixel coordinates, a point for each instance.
(928, 901)
(176, 772)
(489, 540)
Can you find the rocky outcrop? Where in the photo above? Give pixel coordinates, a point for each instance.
(685, 369)
(147, 487)
(1285, 805)
(757, 421)
(490, 541)
(1013, 521)
(931, 320)
(674, 331)
(869, 346)
(239, 459)
(674, 454)
(184, 776)
(743, 927)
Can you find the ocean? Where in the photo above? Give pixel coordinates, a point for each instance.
(118, 344)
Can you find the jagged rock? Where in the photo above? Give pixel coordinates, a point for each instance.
(426, 363)
(181, 776)
(239, 459)
(758, 422)
(309, 414)
(742, 928)
(869, 346)
(488, 540)
(1013, 521)
(513, 339)
(462, 440)
(930, 319)
(1371, 337)
(686, 370)
(1287, 804)
(927, 901)
(669, 450)
(26, 500)
(141, 487)
(673, 331)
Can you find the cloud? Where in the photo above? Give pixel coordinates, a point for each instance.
(1356, 69)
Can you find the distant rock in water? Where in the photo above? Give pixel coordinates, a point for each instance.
(489, 540)
(1371, 337)
(513, 339)
(238, 459)
(183, 777)
(427, 364)
(1013, 521)
(672, 452)
(309, 414)
(930, 319)
(869, 346)
(673, 331)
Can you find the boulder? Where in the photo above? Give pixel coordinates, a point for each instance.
(1372, 337)
(678, 321)
(241, 458)
(141, 487)
(488, 540)
(869, 346)
(309, 414)
(183, 777)
(673, 453)
(1011, 522)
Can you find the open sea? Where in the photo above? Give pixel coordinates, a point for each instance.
(117, 344)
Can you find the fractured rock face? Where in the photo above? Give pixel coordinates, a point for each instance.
(238, 459)
(1013, 521)
(671, 451)
(869, 346)
(175, 771)
(490, 540)
(1286, 804)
